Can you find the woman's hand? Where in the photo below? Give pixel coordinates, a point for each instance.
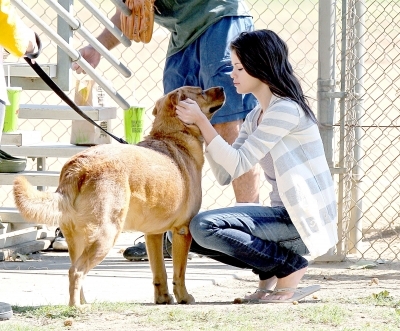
(189, 112)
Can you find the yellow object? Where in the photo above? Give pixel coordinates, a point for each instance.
(133, 122)
(14, 33)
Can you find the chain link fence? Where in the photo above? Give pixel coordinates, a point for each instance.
(369, 144)
(366, 136)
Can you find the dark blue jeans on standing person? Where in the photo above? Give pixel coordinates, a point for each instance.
(260, 238)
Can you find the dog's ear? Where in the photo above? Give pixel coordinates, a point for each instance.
(157, 106)
(169, 101)
(175, 97)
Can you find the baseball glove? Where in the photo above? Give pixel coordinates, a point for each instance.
(139, 25)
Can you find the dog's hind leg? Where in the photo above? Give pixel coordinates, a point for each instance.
(181, 241)
(75, 281)
(83, 259)
(154, 246)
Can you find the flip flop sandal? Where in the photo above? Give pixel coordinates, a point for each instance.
(247, 299)
(299, 293)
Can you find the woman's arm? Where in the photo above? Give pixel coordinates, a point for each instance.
(278, 121)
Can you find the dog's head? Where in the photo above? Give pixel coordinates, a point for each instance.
(164, 111)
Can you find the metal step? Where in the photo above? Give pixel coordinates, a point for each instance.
(43, 149)
(64, 112)
(36, 178)
(11, 215)
(19, 138)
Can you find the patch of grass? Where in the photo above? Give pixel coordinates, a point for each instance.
(325, 314)
(51, 312)
(382, 298)
(19, 327)
(223, 317)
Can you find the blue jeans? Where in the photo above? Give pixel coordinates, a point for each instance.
(260, 238)
(206, 63)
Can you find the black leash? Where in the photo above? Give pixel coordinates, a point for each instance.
(65, 98)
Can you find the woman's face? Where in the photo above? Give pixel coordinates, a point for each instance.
(243, 82)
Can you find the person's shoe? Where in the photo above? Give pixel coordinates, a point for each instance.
(10, 163)
(59, 243)
(138, 251)
(5, 311)
(7, 156)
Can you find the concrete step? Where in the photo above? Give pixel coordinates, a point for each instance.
(64, 112)
(18, 237)
(25, 248)
(36, 178)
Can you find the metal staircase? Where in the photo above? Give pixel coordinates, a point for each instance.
(16, 235)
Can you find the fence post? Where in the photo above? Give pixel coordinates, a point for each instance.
(357, 171)
(326, 82)
(326, 74)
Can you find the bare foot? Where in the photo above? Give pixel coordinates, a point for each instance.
(291, 281)
(265, 287)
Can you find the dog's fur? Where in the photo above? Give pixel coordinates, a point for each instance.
(151, 187)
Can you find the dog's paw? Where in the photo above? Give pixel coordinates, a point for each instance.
(189, 300)
(165, 299)
(84, 307)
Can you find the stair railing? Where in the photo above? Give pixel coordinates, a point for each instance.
(73, 53)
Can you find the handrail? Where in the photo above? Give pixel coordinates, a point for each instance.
(73, 54)
(78, 27)
(107, 23)
(124, 9)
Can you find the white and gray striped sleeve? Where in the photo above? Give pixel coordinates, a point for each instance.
(279, 121)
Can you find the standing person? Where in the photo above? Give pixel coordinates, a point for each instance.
(198, 55)
(19, 40)
(281, 134)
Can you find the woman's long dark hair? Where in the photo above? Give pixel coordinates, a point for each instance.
(264, 55)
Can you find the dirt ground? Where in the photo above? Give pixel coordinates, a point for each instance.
(345, 285)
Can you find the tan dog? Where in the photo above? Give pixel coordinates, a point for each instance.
(151, 187)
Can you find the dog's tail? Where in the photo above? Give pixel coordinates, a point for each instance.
(37, 206)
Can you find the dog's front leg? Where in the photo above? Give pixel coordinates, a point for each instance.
(181, 241)
(154, 246)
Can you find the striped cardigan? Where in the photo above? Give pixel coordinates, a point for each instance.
(302, 174)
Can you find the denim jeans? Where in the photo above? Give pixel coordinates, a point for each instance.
(260, 238)
(206, 63)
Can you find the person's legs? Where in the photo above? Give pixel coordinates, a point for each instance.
(263, 238)
(206, 63)
(215, 70)
(245, 187)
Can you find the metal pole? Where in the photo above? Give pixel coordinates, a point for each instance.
(326, 75)
(340, 245)
(326, 82)
(78, 27)
(107, 23)
(357, 171)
